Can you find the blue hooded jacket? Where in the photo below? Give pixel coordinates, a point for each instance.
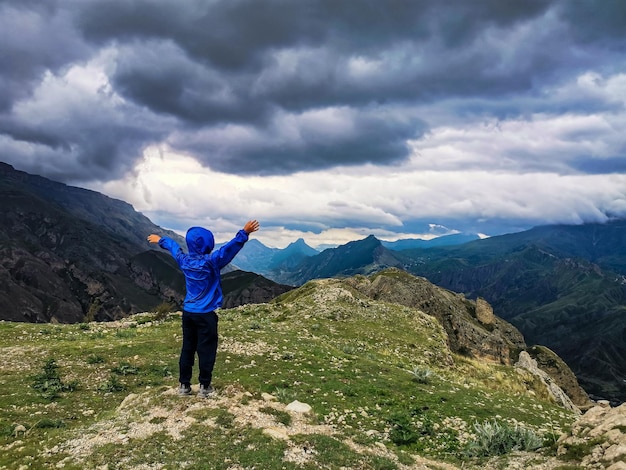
(201, 266)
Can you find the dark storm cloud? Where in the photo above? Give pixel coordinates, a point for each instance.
(435, 49)
(161, 77)
(73, 154)
(36, 37)
(188, 70)
(309, 141)
(596, 22)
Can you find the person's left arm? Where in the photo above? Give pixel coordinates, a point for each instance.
(226, 253)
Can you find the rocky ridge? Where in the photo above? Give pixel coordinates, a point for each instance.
(471, 326)
(598, 438)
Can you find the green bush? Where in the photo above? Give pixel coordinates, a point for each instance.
(284, 395)
(125, 369)
(162, 311)
(7, 430)
(112, 385)
(95, 359)
(403, 431)
(48, 382)
(493, 438)
(281, 416)
(125, 333)
(50, 423)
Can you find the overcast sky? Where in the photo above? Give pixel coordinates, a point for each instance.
(328, 120)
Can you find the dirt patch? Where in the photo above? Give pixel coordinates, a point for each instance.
(257, 348)
(140, 416)
(19, 358)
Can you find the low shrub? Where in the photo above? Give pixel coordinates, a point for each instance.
(422, 375)
(494, 438)
(112, 385)
(48, 382)
(162, 311)
(125, 369)
(95, 359)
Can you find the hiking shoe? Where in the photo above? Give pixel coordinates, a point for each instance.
(204, 391)
(184, 390)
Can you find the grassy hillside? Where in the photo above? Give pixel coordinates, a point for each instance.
(384, 390)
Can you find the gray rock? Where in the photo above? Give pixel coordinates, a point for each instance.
(298, 407)
(528, 363)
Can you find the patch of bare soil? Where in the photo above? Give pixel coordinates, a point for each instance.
(140, 416)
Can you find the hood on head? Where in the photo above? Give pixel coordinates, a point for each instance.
(200, 241)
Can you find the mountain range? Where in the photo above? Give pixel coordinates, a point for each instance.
(71, 255)
(562, 286)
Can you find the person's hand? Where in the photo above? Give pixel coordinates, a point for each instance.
(251, 226)
(152, 238)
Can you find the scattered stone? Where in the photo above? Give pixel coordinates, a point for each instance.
(19, 429)
(298, 407)
(268, 397)
(276, 433)
(604, 427)
(615, 452)
(617, 466)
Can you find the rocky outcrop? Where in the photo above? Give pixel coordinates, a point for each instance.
(527, 363)
(548, 361)
(600, 436)
(484, 312)
(472, 330)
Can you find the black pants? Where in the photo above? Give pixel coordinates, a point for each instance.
(199, 335)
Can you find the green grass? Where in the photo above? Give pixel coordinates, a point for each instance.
(353, 362)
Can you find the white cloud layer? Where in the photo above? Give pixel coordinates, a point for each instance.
(334, 207)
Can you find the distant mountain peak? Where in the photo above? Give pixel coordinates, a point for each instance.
(370, 240)
(301, 246)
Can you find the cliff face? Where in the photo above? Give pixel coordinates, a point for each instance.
(471, 326)
(551, 363)
(471, 329)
